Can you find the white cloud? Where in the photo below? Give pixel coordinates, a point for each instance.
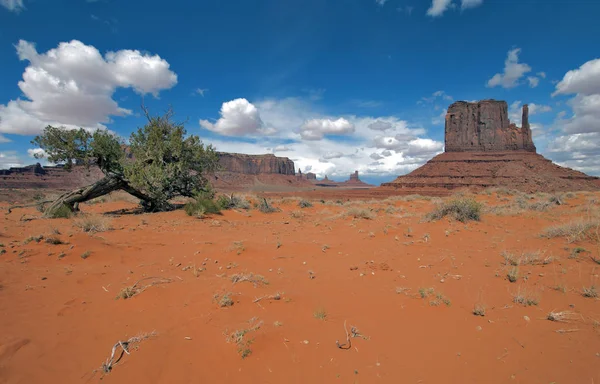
(465, 4)
(10, 159)
(39, 152)
(579, 151)
(238, 118)
(542, 74)
(72, 86)
(515, 112)
(435, 96)
(381, 3)
(13, 5)
(533, 81)
(379, 125)
(282, 148)
(513, 71)
(585, 83)
(438, 7)
(316, 129)
(585, 80)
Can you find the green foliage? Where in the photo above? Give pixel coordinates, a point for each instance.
(63, 212)
(165, 163)
(201, 206)
(462, 209)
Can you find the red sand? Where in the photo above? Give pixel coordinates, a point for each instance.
(60, 317)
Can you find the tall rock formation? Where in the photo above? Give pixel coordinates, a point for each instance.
(484, 126)
(484, 149)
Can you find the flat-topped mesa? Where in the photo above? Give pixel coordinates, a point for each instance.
(484, 126)
(256, 164)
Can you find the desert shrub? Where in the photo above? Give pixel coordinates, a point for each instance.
(62, 212)
(360, 213)
(573, 231)
(232, 202)
(265, 207)
(201, 206)
(305, 204)
(93, 223)
(462, 209)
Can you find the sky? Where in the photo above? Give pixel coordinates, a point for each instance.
(334, 85)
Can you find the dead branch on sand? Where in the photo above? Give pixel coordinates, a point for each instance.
(136, 289)
(125, 345)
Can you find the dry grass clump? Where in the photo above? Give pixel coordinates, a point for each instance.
(524, 298)
(320, 314)
(526, 258)
(224, 300)
(462, 209)
(479, 310)
(239, 337)
(360, 213)
(513, 274)
(574, 231)
(265, 207)
(86, 254)
(563, 316)
(591, 292)
(233, 202)
(93, 223)
(37, 239)
(304, 204)
(250, 277)
(54, 240)
(437, 297)
(297, 214)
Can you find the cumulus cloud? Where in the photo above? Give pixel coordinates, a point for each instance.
(200, 91)
(239, 117)
(9, 159)
(515, 112)
(435, 96)
(381, 3)
(332, 155)
(282, 148)
(15, 6)
(584, 82)
(376, 156)
(72, 86)
(316, 129)
(438, 7)
(465, 4)
(513, 71)
(580, 151)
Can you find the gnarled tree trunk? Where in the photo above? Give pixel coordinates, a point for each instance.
(110, 183)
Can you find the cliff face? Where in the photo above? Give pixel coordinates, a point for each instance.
(256, 164)
(484, 126)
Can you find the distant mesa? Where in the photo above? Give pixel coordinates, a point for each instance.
(484, 149)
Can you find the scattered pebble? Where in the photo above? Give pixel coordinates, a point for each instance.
(188, 338)
(526, 318)
(478, 328)
(441, 281)
(305, 341)
(44, 278)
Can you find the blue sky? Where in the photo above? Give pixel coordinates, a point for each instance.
(334, 85)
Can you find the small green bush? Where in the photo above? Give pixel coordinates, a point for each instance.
(201, 206)
(265, 207)
(462, 209)
(232, 202)
(61, 213)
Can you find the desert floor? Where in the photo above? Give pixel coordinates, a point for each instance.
(250, 297)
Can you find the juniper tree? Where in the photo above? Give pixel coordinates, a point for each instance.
(159, 163)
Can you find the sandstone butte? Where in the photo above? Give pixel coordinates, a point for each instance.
(484, 149)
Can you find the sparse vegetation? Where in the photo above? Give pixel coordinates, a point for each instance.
(239, 337)
(305, 204)
(462, 209)
(360, 213)
(591, 291)
(86, 254)
(265, 207)
(224, 300)
(320, 314)
(524, 298)
(37, 239)
(479, 309)
(233, 202)
(250, 277)
(93, 223)
(513, 274)
(563, 316)
(203, 204)
(573, 231)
